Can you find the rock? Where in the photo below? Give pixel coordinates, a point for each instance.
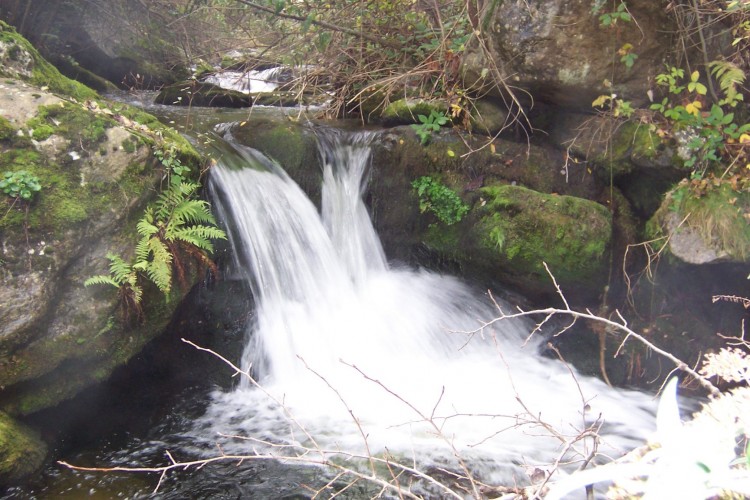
(289, 143)
(638, 161)
(559, 52)
(407, 111)
(687, 244)
(194, 93)
(89, 40)
(22, 451)
(513, 231)
(97, 171)
(488, 117)
(711, 228)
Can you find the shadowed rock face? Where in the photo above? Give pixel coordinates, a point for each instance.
(559, 52)
(93, 37)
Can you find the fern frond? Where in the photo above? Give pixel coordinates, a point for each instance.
(137, 292)
(142, 250)
(172, 197)
(195, 211)
(200, 236)
(146, 228)
(101, 279)
(159, 270)
(729, 77)
(119, 270)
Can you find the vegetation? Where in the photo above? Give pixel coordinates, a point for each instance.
(429, 124)
(174, 227)
(20, 185)
(440, 200)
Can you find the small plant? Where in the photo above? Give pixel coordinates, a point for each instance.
(440, 200)
(176, 171)
(174, 226)
(627, 56)
(618, 107)
(704, 138)
(20, 185)
(125, 278)
(608, 19)
(429, 124)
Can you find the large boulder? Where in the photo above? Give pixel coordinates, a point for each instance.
(561, 53)
(95, 169)
(122, 41)
(524, 238)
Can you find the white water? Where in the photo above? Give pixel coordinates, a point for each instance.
(248, 82)
(362, 355)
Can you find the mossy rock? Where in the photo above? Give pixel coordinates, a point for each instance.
(193, 93)
(289, 143)
(488, 117)
(513, 231)
(22, 451)
(19, 59)
(7, 131)
(407, 111)
(712, 227)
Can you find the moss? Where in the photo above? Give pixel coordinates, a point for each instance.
(130, 145)
(43, 74)
(631, 144)
(406, 111)
(720, 216)
(7, 131)
(42, 132)
(525, 229)
(74, 123)
(22, 451)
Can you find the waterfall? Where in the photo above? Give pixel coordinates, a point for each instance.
(355, 355)
(247, 82)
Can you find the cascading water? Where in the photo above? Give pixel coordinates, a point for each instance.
(247, 82)
(357, 356)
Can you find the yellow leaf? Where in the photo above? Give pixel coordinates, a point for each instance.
(451, 153)
(744, 138)
(694, 108)
(625, 49)
(242, 124)
(492, 148)
(601, 101)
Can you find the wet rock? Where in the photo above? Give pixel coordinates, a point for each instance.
(21, 450)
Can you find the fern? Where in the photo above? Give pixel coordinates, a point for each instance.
(730, 77)
(124, 277)
(175, 224)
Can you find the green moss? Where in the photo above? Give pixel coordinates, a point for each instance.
(406, 111)
(43, 74)
(7, 131)
(74, 123)
(524, 229)
(42, 132)
(720, 216)
(21, 450)
(631, 144)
